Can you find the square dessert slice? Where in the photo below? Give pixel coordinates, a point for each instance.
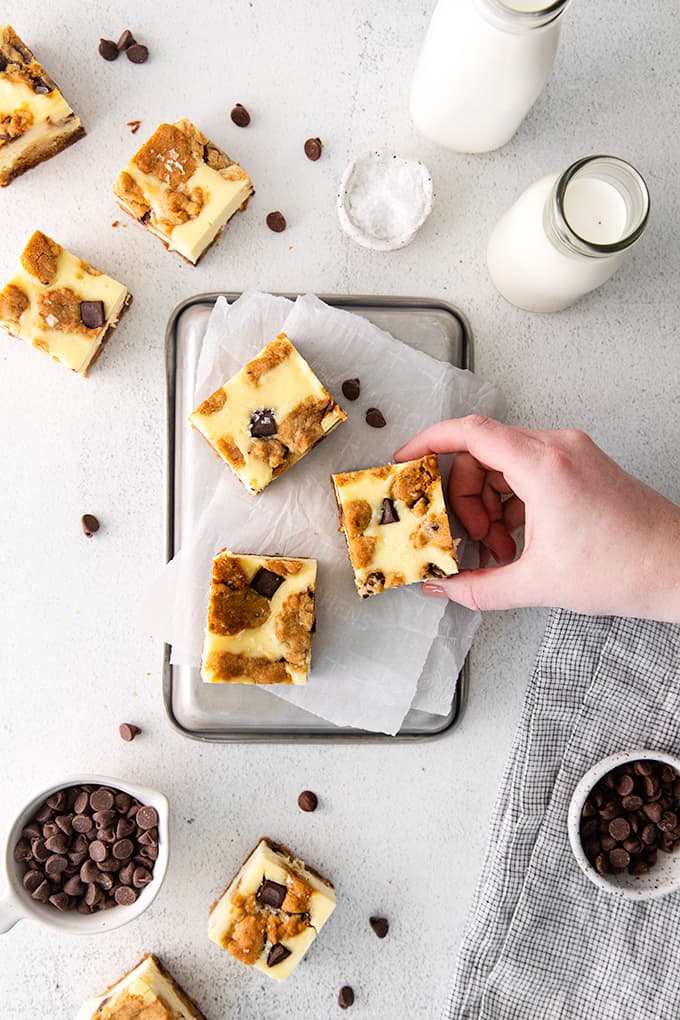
(272, 911)
(36, 122)
(61, 304)
(395, 523)
(183, 188)
(147, 992)
(268, 416)
(260, 620)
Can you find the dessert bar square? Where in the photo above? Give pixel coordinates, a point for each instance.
(36, 122)
(395, 523)
(272, 911)
(260, 620)
(268, 416)
(147, 992)
(60, 304)
(183, 188)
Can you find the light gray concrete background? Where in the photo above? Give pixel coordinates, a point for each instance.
(401, 829)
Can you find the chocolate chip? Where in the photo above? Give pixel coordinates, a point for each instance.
(126, 872)
(632, 802)
(59, 844)
(148, 838)
(375, 418)
(98, 851)
(42, 892)
(22, 851)
(351, 389)
(32, 880)
(60, 901)
(625, 785)
(122, 802)
(308, 801)
(57, 800)
(380, 926)
(619, 829)
(65, 823)
(123, 849)
(128, 731)
(74, 886)
(82, 823)
(346, 997)
(619, 858)
(389, 513)
(137, 53)
(83, 799)
(126, 40)
(271, 894)
(90, 525)
(313, 149)
(93, 896)
(666, 823)
(644, 767)
(39, 851)
(277, 954)
(276, 221)
(92, 314)
(240, 115)
(125, 827)
(125, 896)
(141, 877)
(55, 865)
(263, 423)
(108, 49)
(101, 799)
(266, 582)
(147, 817)
(104, 818)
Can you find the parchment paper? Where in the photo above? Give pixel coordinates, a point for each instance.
(368, 655)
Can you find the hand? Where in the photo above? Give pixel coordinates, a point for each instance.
(597, 540)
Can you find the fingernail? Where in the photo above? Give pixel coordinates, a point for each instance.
(434, 590)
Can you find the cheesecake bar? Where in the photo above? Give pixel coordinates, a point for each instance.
(183, 188)
(60, 304)
(268, 416)
(147, 992)
(395, 523)
(272, 911)
(36, 122)
(260, 620)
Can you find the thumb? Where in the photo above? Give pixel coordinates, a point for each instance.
(491, 588)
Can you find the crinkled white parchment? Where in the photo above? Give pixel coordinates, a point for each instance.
(368, 655)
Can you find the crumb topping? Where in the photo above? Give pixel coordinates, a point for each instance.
(127, 188)
(15, 124)
(302, 428)
(179, 207)
(274, 354)
(230, 451)
(234, 605)
(13, 303)
(356, 516)
(293, 627)
(433, 531)
(60, 309)
(270, 450)
(171, 155)
(40, 257)
(363, 550)
(214, 403)
(413, 484)
(132, 1007)
(228, 666)
(257, 924)
(287, 568)
(90, 270)
(18, 65)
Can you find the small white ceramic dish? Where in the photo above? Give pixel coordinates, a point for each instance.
(17, 903)
(664, 876)
(384, 200)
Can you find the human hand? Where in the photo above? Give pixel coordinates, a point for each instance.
(596, 540)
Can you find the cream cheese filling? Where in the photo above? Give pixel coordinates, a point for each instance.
(51, 122)
(145, 982)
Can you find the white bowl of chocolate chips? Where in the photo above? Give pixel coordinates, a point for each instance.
(624, 824)
(85, 855)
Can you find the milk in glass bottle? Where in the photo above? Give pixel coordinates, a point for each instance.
(482, 67)
(568, 233)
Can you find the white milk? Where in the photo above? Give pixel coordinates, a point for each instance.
(481, 68)
(535, 259)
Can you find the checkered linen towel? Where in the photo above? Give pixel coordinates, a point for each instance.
(542, 941)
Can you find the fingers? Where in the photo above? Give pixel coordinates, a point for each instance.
(491, 588)
(493, 444)
(513, 513)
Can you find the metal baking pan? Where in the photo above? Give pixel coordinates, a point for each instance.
(206, 712)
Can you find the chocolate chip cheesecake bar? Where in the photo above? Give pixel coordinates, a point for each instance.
(36, 122)
(60, 304)
(268, 416)
(260, 620)
(395, 523)
(183, 188)
(147, 992)
(272, 911)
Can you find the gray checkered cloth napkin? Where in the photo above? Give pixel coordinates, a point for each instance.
(542, 941)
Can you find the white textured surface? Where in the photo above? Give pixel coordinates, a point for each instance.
(73, 662)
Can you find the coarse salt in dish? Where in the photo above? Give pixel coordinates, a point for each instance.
(384, 200)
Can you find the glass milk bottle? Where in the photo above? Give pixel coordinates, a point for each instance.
(568, 233)
(482, 67)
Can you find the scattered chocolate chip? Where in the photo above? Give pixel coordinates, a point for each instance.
(389, 513)
(351, 389)
(313, 149)
(90, 525)
(380, 926)
(137, 53)
(263, 423)
(276, 221)
(126, 40)
(134, 126)
(308, 801)
(108, 49)
(266, 582)
(147, 817)
(271, 894)
(346, 997)
(129, 731)
(125, 896)
(277, 954)
(375, 418)
(240, 115)
(92, 314)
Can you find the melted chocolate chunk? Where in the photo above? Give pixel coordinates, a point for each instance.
(92, 314)
(277, 954)
(266, 582)
(389, 513)
(263, 423)
(271, 894)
